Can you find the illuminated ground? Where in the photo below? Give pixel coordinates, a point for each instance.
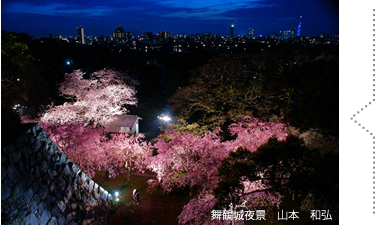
(155, 208)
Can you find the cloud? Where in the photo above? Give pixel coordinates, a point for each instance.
(56, 9)
(192, 9)
(209, 9)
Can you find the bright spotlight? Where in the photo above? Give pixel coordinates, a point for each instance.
(68, 63)
(164, 118)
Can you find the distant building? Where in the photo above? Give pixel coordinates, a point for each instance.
(148, 35)
(231, 30)
(163, 35)
(288, 33)
(250, 33)
(119, 32)
(49, 36)
(81, 35)
(128, 123)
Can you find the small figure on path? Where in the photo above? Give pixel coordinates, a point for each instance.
(136, 196)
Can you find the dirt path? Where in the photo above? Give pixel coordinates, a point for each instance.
(155, 208)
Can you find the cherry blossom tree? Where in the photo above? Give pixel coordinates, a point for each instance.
(77, 126)
(91, 150)
(81, 144)
(187, 159)
(251, 133)
(93, 100)
(125, 152)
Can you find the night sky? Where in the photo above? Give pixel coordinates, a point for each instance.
(40, 17)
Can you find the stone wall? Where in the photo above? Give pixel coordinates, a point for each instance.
(40, 185)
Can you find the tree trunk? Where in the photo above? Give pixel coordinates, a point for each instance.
(128, 170)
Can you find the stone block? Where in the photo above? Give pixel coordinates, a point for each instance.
(75, 168)
(36, 146)
(92, 202)
(53, 221)
(74, 206)
(52, 173)
(39, 157)
(36, 198)
(55, 211)
(46, 179)
(103, 194)
(29, 193)
(31, 219)
(35, 186)
(52, 187)
(70, 217)
(36, 172)
(9, 149)
(91, 185)
(51, 198)
(5, 192)
(23, 211)
(33, 206)
(61, 206)
(27, 178)
(7, 182)
(13, 173)
(61, 183)
(43, 192)
(41, 207)
(46, 216)
(62, 158)
(33, 161)
(3, 171)
(44, 150)
(15, 157)
(43, 167)
(21, 166)
(69, 192)
(67, 170)
(36, 129)
(18, 191)
(62, 220)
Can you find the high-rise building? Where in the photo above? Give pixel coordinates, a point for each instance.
(231, 30)
(163, 35)
(250, 33)
(128, 36)
(81, 35)
(119, 32)
(299, 27)
(148, 35)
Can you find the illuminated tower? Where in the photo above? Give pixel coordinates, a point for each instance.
(231, 30)
(81, 35)
(299, 26)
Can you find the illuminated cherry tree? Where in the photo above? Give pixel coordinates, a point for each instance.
(251, 133)
(77, 126)
(125, 152)
(186, 159)
(94, 100)
(81, 144)
(91, 150)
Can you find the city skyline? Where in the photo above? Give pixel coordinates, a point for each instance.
(100, 18)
